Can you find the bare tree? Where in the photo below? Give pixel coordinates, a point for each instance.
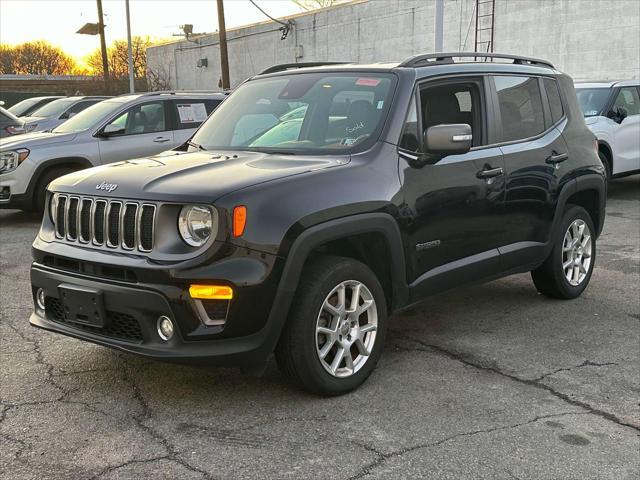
(159, 79)
(118, 58)
(35, 58)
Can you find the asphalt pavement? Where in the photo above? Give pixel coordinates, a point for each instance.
(492, 381)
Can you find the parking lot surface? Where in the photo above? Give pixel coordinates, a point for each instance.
(490, 381)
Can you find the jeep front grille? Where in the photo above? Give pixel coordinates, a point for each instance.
(108, 223)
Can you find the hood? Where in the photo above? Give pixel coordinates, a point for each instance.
(30, 120)
(591, 120)
(35, 139)
(200, 177)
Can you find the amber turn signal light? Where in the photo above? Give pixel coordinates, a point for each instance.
(211, 292)
(239, 220)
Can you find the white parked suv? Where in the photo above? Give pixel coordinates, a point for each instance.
(121, 128)
(52, 114)
(612, 112)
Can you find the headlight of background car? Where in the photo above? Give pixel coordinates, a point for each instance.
(11, 159)
(197, 224)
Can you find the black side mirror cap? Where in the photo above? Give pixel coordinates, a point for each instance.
(618, 114)
(448, 139)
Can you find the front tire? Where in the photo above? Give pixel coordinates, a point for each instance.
(567, 271)
(41, 187)
(336, 328)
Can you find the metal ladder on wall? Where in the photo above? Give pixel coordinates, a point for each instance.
(485, 23)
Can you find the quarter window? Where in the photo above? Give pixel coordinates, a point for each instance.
(520, 104)
(628, 98)
(553, 94)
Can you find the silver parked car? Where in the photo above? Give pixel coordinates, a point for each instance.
(54, 113)
(121, 128)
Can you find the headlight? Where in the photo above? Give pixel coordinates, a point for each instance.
(196, 224)
(11, 159)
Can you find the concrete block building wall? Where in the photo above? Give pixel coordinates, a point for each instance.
(589, 39)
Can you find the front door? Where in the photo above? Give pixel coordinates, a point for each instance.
(454, 204)
(144, 130)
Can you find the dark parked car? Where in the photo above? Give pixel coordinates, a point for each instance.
(395, 182)
(30, 105)
(10, 124)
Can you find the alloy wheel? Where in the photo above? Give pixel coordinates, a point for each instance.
(576, 252)
(346, 328)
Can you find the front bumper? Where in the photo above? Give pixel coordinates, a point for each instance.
(133, 310)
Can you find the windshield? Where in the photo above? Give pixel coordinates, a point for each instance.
(54, 109)
(88, 117)
(19, 108)
(592, 100)
(301, 113)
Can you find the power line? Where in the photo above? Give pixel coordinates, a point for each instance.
(286, 26)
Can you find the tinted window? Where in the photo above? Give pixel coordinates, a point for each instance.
(319, 112)
(553, 94)
(520, 107)
(145, 118)
(628, 98)
(191, 113)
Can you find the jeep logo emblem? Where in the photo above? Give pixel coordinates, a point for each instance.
(108, 187)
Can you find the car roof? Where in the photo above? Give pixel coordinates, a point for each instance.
(128, 97)
(607, 83)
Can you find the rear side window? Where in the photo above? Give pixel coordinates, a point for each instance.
(191, 113)
(520, 105)
(553, 94)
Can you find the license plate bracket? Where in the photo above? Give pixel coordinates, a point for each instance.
(83, 305)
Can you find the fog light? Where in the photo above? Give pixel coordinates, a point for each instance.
(165, 328)
(40, 298)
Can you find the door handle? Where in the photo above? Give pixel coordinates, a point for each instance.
(556, 158)
(160, 139)
(487, 173)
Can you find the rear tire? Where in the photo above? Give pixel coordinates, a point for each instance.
(567, 271)
(47, 177)
(323, 347)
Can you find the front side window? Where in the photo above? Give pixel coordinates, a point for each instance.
(145, 118)
(78, 107)
(520, 105)
(310, 112)
(628, 98)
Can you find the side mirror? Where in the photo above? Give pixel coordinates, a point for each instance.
(448, 139)
(618, 114)
(111, 130)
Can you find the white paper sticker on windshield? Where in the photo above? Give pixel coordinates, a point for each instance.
(380, 104)
(192, 112)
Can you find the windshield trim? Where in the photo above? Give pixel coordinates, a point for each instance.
(374, 138)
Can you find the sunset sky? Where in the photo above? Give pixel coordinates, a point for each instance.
(57, 20)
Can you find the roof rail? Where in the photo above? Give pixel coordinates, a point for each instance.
(288, 66)
(445, 58)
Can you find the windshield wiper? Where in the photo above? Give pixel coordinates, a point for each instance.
(196, 145)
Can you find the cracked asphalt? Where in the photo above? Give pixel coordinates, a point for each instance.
(490, 381)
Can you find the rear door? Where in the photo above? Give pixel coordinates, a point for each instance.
(535, 155)
(187, 115)
(627, 134)
(145, 131)
(454, 202)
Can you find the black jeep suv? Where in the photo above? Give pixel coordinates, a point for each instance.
(318, 200)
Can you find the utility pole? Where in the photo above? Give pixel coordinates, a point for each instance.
(103, 46)
(224, 59)
(132, 86)
(439, 26)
